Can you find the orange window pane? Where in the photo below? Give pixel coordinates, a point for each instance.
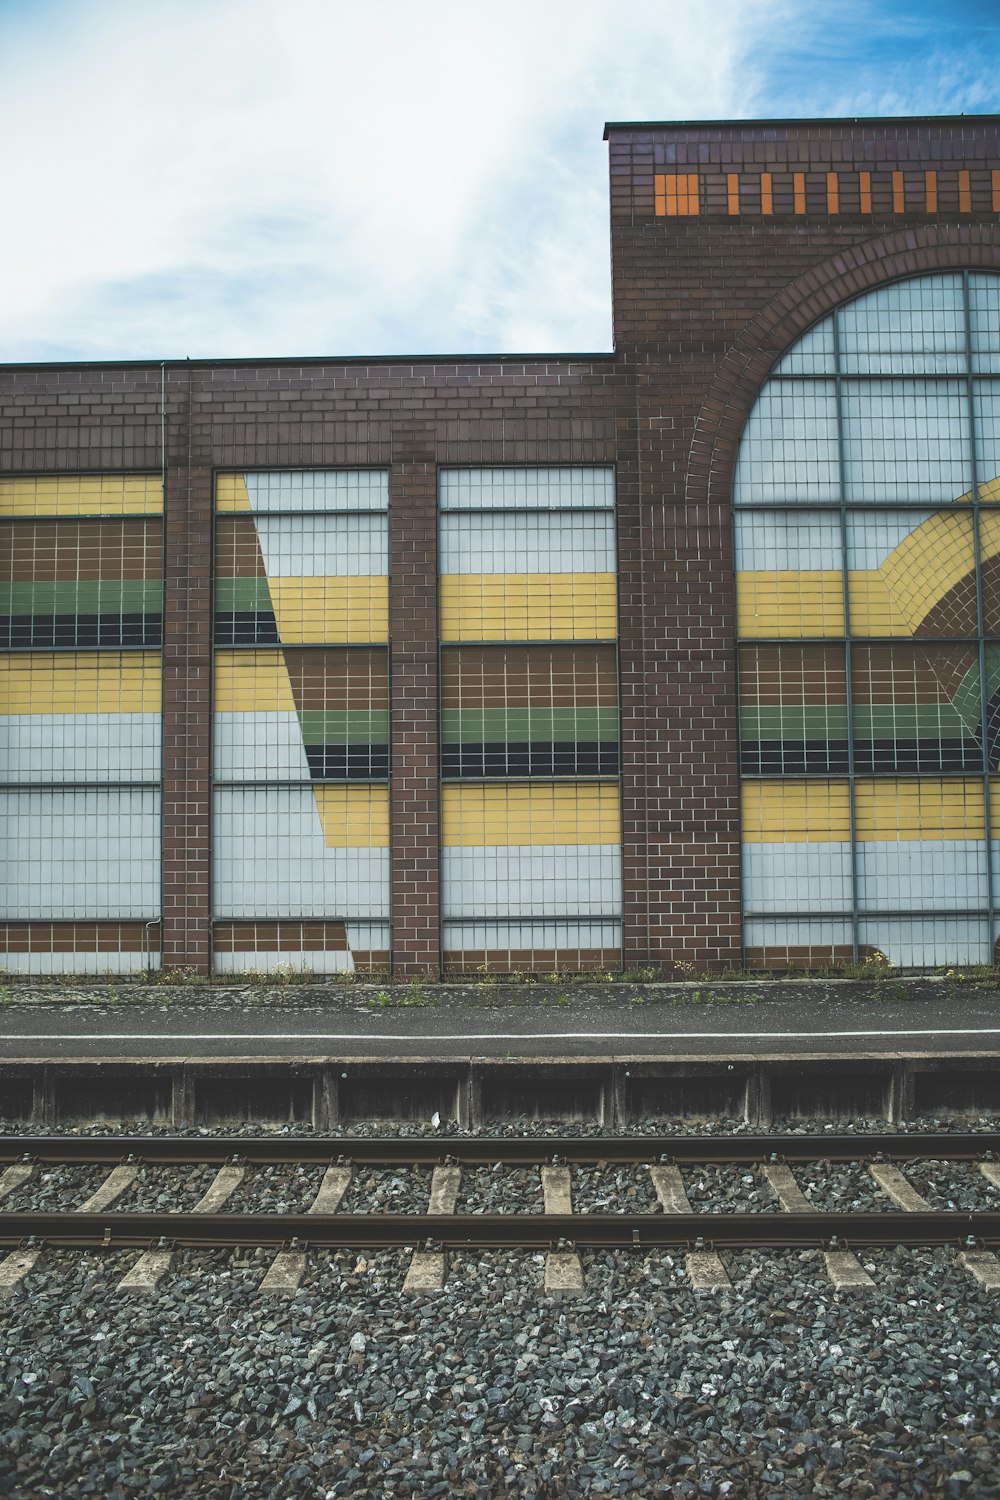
(799, 188)
(733, 192)
(930, 191)
(866, 192)
(898, 194)
(766, 195)
(964, 193)
(996, 192)
(676, 193)
(832, 193)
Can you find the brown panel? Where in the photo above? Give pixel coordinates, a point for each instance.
(78, 937)
(529, 676)
(64, 551)
(774, 676)
(280, 937)
(237, 548)
(352, 677)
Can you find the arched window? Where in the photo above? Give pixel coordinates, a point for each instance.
(867, 529)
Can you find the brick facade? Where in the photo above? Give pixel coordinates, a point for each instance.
(773, 224)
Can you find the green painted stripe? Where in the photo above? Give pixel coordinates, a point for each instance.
(911, 721)
(85, 596)
(237, 594)
(477, 726)
(795, 722)
(352, 726)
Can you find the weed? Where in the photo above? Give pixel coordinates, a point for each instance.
(563, 1000)
(636, 999)
(6, 996)
(640, 976)
(689, 971)
(972, 974)
(488, 980)
(411, 994)
(182, 974)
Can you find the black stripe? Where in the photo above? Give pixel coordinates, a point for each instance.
(537, 758)
(348, 762)
(113, 630)
(829, 757)
(246, 627)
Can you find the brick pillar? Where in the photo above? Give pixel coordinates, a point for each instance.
(187, 680)
(413, 625)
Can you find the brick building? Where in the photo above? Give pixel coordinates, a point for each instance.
(688, 653)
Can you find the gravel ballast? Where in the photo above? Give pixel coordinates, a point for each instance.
(642, 1386)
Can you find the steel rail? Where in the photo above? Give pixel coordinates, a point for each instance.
(161, 1150)
(523, 1231)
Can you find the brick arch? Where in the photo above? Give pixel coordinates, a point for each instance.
(771, 331)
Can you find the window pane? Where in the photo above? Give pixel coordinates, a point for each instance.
(789, 447)
(913, 327)
(905, 440)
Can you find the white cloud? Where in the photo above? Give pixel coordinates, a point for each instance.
(234, 177)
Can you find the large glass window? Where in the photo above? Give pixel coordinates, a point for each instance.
(867, 535)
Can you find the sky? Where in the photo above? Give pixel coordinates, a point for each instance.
(233, 178)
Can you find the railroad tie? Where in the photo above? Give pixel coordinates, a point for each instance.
(842, 1266)
(15, 1176)
(428, 1268)
(284, 1277)
(982, 1264)
(14, 1268)
(905, 1196)
(563, 1268)
(704, 1267)
(151, 1267)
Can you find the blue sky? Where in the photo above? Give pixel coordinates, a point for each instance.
(247, 177)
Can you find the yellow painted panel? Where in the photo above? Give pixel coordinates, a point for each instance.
(524, 813)
(528, 606)
(231, 492)
(809, 603)
(796, 812)
(899, 811)
(928, 563)
(354, 816)
(252, 681)
(330, 609)
(81, 682)
(88, 494)
(875, 610)
(989, 524)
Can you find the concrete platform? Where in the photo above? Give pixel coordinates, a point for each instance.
(327, 1055)
(744, 1021)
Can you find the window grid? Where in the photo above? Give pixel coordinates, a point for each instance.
(300, 761)
(886, 689)
(81, 615)
(531, 848)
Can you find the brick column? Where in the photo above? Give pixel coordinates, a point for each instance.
(187, 680)
(413, 625)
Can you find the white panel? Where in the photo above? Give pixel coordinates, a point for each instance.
(347, 489)
(527, 544)
(78, 963)
(543, 880)
(807, 541)
(812, 355)
(324, 546)
(928, 941)
(906, 440)
(986, 405)
(797, 877)
(80, 747)
(911, 327)
(789, 445)
(778, 933)
(258, 747)
(984, 318)
(476, 936)
(509, 489)
(85, 854)
(309, 961)
(271, 860)
(917, 873)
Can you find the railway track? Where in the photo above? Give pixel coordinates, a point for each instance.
(94, 1224)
